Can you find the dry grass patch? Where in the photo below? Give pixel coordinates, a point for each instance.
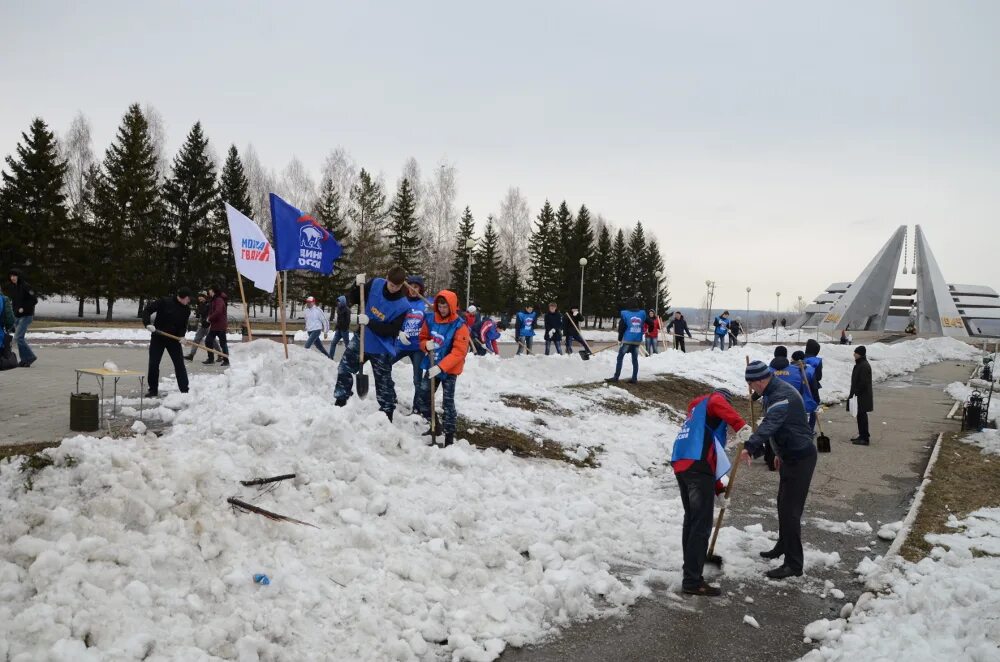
(487, 435)
(668, 393)
(544, 405)
(15, 450)
(963, 480)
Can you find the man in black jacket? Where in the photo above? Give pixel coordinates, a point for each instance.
(785, 428)
(679, 326)
(172, 314)
(571, 328)
(553, 329)
(23, 300)
(861, 388)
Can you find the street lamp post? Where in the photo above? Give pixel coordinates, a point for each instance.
(709, 294)
(747, 329)
(470, 243)
(777, 312)
(656, 300)
(583, 265)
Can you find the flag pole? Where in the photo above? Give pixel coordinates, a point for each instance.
(281, 305)
(243, 298)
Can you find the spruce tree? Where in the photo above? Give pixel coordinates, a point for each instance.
(404, 234)
(486, 269)
(578, 246)
(369, 214)
(639, 280)
(329, 216)
(234, 188)
(512, 291)
(564, 223)
(460, 258)
(654, 263)
(129, 216)
(191, 196)
(602, 278)
(35, 230)
(621, 270)
(544, 248)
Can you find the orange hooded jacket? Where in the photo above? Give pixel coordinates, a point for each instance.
(454, 362)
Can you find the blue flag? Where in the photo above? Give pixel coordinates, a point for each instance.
(300, 242)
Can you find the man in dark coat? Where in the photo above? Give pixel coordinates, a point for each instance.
(23, 301)
(679, 326)
(861, 388)
(172, 315)
(218, 324)
(785, 428)
(553, 329)
(571, 323)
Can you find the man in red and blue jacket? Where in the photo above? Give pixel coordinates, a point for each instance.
(701, 466)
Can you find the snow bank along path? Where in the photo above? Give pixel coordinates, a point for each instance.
(126, 549)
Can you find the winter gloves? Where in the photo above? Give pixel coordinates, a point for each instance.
(431, 345)
(360, 280)
(744, 434)
(404, 337)
(361, 319)
(433, 372)
(151, 328)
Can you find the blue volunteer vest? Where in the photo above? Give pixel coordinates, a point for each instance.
(526, 324)
(723, 327)
(815, 363)
(633, 319)
(792, 375)
(411, 326)
(377, 307)
(443, 333)
(690, 441)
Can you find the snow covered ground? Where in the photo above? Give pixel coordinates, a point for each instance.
(420, 553)
(946, 607)
(132, 334)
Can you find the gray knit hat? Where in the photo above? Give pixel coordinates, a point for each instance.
(757, 370)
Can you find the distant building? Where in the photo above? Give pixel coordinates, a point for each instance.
(874, 303)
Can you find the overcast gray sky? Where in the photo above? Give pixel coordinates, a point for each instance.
(767, 144)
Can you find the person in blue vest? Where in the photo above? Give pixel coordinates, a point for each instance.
(791, 374)
(489, 334)
(813, 359)
(412, 323)
(810, 388)
(785, 427)
(445, 339)
(382, 323)
(700, 465)
(721, 331)
(630, 322)
(524, 331)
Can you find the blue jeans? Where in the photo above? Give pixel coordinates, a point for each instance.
(416, 358)
(570, 337)
(554, 338)
(446, 382)
(21, 325)
(720, 340)
(651, 345)
(314, 338)
(385, 388)
(337, 337)
(622, 351)
(526, 341)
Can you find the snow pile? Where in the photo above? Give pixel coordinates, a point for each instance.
(988, 440)
(943, 608)
(787, 336)
(421, 553)
(844, 528)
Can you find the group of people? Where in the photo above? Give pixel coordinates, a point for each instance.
(789, 394)
(557, 328)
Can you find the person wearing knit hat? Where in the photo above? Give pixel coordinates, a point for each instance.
(861, 390)
(812, 359)
(785, 428)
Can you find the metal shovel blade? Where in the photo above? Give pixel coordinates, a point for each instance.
(823, 443)
(361, 383)
(585, 355)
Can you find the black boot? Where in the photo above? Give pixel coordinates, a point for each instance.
(225, 363)
(704, 589)
(860, 442)
(152, 394)
(772, 554)
(340, 402)
(208, 362)
(189, 357)
(449, 439)
(782, 572)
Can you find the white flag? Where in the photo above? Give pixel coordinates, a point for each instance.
(253, 252)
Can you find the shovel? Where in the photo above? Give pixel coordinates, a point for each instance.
(362, 379)
(712, 557)
(585, 352)
(434, 432)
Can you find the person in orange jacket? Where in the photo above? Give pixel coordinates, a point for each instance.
(445, 341)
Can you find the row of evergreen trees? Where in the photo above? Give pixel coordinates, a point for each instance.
(134, 232)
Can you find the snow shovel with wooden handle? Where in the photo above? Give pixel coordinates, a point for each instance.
(585, 352)
(712, 557)
(361, 378)
(192, 343)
